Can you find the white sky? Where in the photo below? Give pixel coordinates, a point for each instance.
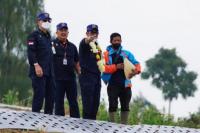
(145, 26)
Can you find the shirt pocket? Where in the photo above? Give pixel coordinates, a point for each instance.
(59, 52)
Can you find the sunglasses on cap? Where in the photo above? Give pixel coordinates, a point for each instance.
(47, 20)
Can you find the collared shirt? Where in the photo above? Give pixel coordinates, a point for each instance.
(39, 51)
(88, 61)
(66, 51)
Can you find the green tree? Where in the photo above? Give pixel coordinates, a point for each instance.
(17, 21)
(168, 73)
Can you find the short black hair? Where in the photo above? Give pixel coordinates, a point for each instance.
(115, 34)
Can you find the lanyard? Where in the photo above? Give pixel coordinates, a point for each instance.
(65, 49)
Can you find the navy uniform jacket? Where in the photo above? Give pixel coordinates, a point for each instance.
(39, 51)
(64, 72)
(87, 59)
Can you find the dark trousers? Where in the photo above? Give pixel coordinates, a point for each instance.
(124, 95)
(90, 92)
(69, 88)
(42, 90)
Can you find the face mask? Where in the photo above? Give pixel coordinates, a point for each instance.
(46, 25)
(116, 46)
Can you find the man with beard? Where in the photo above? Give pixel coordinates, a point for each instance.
(119, 86)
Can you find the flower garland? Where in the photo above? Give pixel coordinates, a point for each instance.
(95, 48)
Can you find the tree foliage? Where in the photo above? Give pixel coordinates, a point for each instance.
(168, 73)
(193, 121)
(17, 21)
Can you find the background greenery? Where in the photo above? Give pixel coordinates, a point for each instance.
(17, 21)
(166, 70)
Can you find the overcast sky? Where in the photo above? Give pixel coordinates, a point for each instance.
(145, 26)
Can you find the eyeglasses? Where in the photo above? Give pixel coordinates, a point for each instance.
(45, 20)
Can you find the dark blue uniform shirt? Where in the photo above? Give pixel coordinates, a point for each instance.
(87, 59)
(64, 72)
(39, 51)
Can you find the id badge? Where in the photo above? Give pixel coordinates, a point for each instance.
(53, 50)
(64, 61)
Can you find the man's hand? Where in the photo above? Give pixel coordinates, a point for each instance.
(132, 74)
(120, 66)
(90, 38)
(38, 70)
(78, 68)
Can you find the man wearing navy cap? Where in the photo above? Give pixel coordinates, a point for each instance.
(90, 80)
(41, 65)
(65, 62)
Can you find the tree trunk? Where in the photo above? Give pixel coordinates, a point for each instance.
(169, 108)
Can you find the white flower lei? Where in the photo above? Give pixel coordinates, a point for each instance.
(97, 50)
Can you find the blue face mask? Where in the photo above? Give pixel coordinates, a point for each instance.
(116, 46)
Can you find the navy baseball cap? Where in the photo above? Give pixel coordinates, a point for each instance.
(93, 28)
(61, 25)
(43, 16)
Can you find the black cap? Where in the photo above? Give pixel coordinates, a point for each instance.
(93, 28)
(61, 25)
(43, 16)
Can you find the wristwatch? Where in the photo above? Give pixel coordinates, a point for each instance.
(35, 64)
